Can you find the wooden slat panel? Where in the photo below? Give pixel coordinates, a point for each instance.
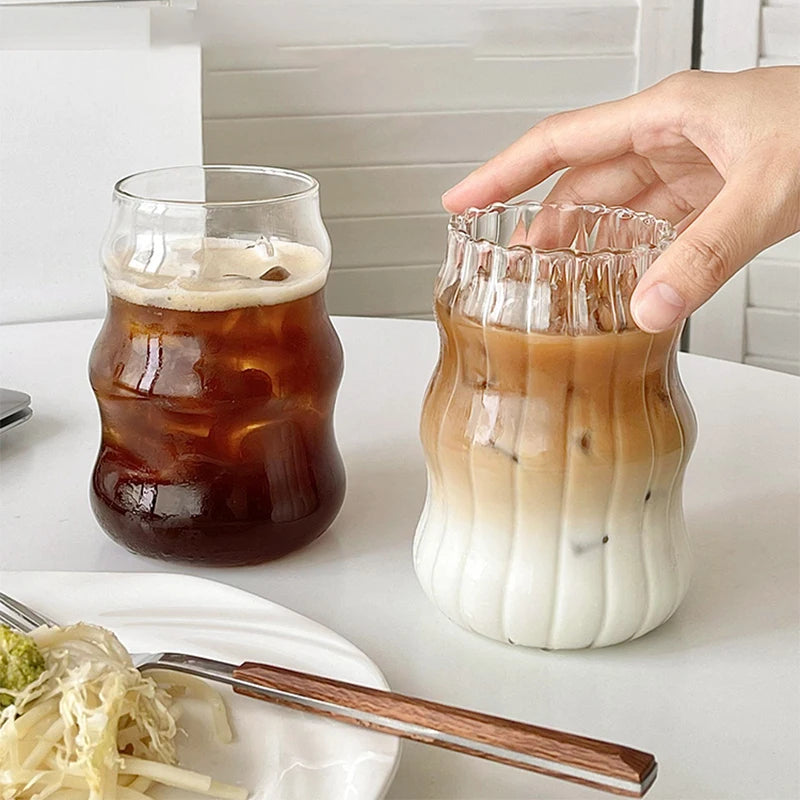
(780, 31)
(775, 284)
(325, 92)
(269, 56)
(505, 28)
(353, 24)
(729, 42)
(387, 241)
(664, 41)
(389, 291)
(494, 33)
(415, 79)
(317, 141)
(730, 34)
(557, 30)
(391, 191)
(717, 328)
(772, 333)
(777, 61)
(385, 191)
(780, 364)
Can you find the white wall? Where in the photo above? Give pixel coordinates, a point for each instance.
(390, 103)
(87, 95)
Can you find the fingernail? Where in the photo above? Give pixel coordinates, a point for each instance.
(454, 189)
(447, 194)
(659, 308)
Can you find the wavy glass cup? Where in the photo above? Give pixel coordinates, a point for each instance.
(556, 432)
(217, 368)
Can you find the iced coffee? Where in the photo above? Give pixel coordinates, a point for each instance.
(556, 435)
(216, 374)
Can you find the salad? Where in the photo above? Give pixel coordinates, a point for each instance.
(78, 721)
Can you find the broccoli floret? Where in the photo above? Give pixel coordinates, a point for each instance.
(21, 663)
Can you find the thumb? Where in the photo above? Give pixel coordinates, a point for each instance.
(735, 226)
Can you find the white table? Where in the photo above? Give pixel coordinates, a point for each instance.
(714, 693)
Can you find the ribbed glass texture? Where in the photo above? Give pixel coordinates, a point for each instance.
(556, 432)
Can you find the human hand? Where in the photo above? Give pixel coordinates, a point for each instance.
(717, 154)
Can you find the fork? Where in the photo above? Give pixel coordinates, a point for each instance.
(601, 765)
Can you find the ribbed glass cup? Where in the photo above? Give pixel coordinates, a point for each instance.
(556, 432)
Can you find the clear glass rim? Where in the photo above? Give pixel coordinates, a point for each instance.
(309, 186)
(458, 222)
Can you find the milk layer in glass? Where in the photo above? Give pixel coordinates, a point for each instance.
(556, 432)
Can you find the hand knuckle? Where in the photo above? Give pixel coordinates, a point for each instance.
(682, 87)
(568, 187)
(706, 265)
(548, 123)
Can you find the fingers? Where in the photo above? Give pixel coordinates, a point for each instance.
(659, 201)
(554, 228)
(681, 226)
(586, 136)
(611, 182)
(548, 229)
(628, 181)
(617, 182)
(737, 224)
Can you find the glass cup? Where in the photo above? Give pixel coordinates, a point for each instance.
(217, 368)
(556, 432)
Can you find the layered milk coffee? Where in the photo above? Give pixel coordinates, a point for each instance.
(216, 376)
(555, 464)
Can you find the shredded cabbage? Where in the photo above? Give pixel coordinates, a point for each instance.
(92, 723)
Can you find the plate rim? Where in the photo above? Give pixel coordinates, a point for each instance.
(227, 587)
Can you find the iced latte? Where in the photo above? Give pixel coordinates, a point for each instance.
(555, 455)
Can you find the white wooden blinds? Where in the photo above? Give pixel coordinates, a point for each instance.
(756, 317)
(390, 103)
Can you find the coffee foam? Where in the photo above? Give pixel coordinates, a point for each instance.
(213, 274)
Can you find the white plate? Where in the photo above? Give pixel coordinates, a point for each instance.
(278, 754)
